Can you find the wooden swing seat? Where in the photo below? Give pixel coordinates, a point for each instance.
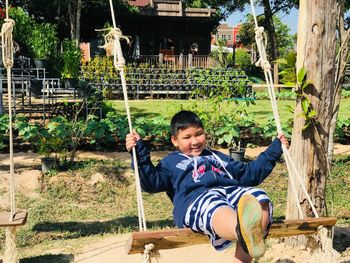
(19, 219)
(176, 238)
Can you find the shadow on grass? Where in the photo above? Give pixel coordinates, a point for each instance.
(341, 240)
(82, 229)
(60, 258)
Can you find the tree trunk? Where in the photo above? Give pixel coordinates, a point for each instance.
(316, 53)
(270, 28)
(74, 12)
(342, 58)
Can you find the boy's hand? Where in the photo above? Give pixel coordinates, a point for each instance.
(131, 139)
(283, 139)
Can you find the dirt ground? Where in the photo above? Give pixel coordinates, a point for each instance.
(111, 249)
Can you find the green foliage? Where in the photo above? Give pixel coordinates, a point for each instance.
(99, 131)
(345, 93)
(285, 41)
(23, 27)
(42, 40)
(71, 57)
(4, 126)
(45, 140)
(242, 59)
(288, 66)
(298, 81)
(342, 129)
(222, 55)
(221, 128)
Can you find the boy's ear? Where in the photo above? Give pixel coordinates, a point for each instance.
(174, 141)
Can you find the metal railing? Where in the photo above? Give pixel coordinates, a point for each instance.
(178, 61)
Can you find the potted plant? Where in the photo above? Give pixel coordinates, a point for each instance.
(236, 150)
(46, 150)
(71, 57)
(43, 43)
(230, 135)
(40, 140)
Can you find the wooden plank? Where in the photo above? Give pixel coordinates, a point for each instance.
(20, 218)
(176, 238)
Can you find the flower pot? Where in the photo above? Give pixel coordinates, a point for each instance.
(47, 163)
(237, 154)
(40, 63)
(70, 83)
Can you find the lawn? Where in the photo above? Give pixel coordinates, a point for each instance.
(97, 198)
(262, 108)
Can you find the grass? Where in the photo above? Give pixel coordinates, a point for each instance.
(97, 198)
(167, 108)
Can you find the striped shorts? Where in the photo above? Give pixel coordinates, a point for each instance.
(199, 214)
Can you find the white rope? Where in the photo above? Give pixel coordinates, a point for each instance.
(7, 59)
(265, 65)
(114, 37)
(149, 253)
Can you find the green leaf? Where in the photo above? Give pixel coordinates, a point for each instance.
(305, 105)
(312, 114)
(301, 75)
(281, 61)
(227, 138)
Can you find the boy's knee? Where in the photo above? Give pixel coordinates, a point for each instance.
(265, 206)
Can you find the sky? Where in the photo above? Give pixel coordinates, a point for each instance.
(291, 20)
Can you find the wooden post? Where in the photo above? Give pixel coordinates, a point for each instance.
(161, 58)
(181, 60)
(190, 58)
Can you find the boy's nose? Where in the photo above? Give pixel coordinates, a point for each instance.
(194, 141)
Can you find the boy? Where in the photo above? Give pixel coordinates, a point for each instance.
(211, 192)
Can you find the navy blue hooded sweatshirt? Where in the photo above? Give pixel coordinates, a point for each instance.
(184, 178)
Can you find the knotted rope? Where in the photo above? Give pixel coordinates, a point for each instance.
(149, 253)
(113, 37)
(7, 59)
(265, 65)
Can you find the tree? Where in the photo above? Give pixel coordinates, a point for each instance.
(317, 38)
(284, 40)
(222, 54)
(68, 15)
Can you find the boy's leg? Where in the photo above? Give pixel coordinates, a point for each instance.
(250, 220)
(224, 223)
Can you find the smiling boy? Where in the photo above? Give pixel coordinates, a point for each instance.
(211, 192)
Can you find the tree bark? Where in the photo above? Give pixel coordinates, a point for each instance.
(74, 13)
(316, 53)
(270, 28)
(342, 59)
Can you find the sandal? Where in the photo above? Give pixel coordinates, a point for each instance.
(249, 230)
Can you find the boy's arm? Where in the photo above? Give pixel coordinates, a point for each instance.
(153, 179)
(254, 172)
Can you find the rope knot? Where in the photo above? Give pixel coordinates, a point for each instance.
(112, 46)
(259, 32)
(149, 253)
(7, 42)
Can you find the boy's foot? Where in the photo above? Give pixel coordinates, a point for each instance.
(249, 230)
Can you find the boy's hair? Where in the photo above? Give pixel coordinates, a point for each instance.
(184, 119)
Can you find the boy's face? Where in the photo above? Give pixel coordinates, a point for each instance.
(190, 141)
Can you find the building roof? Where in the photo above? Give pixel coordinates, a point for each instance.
(171, 8)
